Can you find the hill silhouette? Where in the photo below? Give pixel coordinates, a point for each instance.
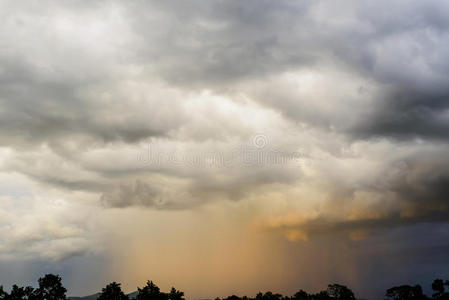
(95, 296)
(90, 297)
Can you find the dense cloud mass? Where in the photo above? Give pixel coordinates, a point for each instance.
(310, 120)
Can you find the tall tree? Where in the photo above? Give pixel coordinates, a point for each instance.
(50, 288)
(150, 292)
(112, 291)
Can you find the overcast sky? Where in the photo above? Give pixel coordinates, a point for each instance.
(224, 146)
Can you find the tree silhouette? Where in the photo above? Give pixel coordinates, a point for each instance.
(112, 291)
(175, 294)
(300, 295)
(439, 288)
(232, 297)
(268, 296)
(340, 292)
(150, 292)
(50, 288)
(21, 293)
(406, 292)
(3, 294)
(323, 295)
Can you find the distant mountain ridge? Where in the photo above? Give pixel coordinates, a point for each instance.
(95, 296)
(91, 297)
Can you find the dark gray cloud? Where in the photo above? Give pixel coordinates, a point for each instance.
(223, 46)
(218, 43)
(408, 114)
(138, 194)
(197, 187)
(412, 190)
(42, 109)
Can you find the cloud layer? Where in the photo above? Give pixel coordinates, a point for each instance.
(312, 119)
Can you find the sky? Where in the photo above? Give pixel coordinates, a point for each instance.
(224, 146)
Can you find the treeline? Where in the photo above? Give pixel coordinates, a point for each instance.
(149, 292)
(340, 292)
(51, 288)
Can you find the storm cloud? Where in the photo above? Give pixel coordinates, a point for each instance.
(309, 119)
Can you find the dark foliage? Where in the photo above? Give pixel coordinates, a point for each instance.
(441, 289)
(405, 292)
(152, 292)
(112, 291)
(3, 294)
(19, 293)
(50, 288)
(300, 295)
(175, 294)
(340, 292)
